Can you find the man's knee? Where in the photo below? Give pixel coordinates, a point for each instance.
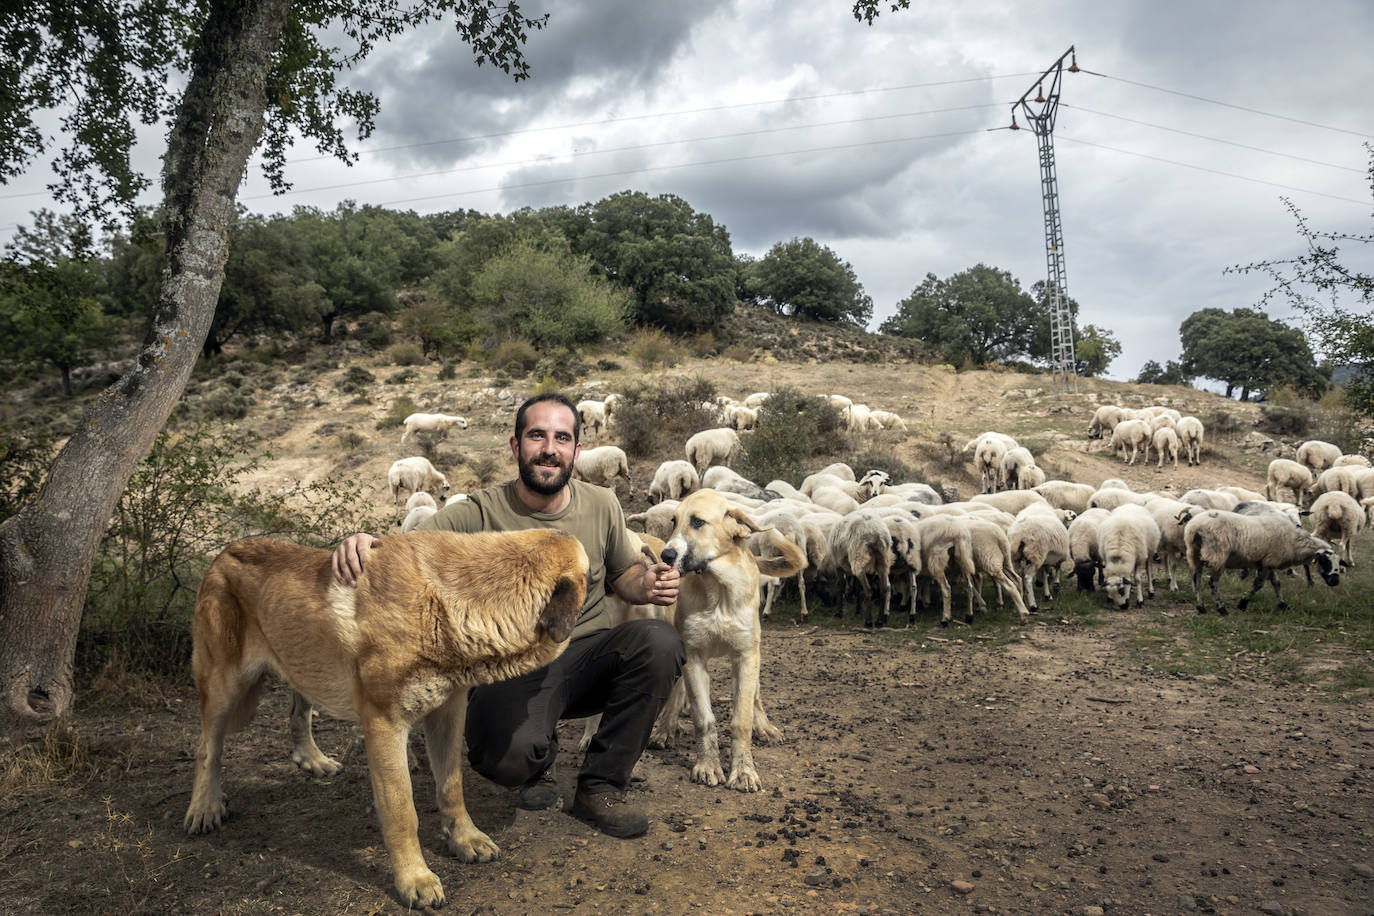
(657, 644)
(518, 765)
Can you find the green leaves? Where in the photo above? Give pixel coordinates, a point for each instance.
(805, 279)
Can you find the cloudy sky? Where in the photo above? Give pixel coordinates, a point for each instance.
(888, 143)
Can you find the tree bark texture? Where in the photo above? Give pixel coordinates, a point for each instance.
(47, 550)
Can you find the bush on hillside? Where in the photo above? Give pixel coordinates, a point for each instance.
(792, 429)
(401, 408)
(1289, 422)
(656, 418)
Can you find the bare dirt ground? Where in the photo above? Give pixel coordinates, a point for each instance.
(922, 771)
(1051, 774)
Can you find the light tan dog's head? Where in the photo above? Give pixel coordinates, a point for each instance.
(705, 528)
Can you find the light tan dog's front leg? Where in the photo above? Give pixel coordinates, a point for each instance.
(743, 775)
(391, 793)
(669, 726)
(444, 744)
(707, 768)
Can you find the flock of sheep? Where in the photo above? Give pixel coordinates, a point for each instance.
(888, 544)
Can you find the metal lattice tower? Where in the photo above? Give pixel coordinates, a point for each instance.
(1040, 113)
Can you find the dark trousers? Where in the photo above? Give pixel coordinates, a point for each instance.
(624, 672)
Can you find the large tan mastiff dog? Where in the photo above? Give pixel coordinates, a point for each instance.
(435, 614)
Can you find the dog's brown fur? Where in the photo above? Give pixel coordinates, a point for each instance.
(718, 614)
(435, 614)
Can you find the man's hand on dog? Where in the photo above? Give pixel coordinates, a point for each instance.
(661, 581)
(350, 557)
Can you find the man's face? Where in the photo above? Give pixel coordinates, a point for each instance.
(545, 451)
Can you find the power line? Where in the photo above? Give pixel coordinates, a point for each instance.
(681, 165)
(624, 149)
(1174, 130)
(848, 93)
(1202, 168)
(1200, 98)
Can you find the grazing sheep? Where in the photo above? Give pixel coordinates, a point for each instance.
(413, 474)
(1243, 494)
(838, 401)
(673, 480)
(739, 417)
(1087, 561)
(610, 405)
(785, 489)
(806, 535)
(1264, 543)
(1210, 499)
(1039, 544)
(1287, 475)
(1258, 506)
(724, 480)
(852, 488)
(834, 498)
(429, 422)
(1064, 494)
(1342, 480)
(1030, 477)
(874, 482)
(1170, 516)
(1337, 517)
(1132, 434)
(1318, 455)
(914, 492)
(944, 542)
(1012, 501)
(757, 399)
(886, 419)
(860, 546)
(1160, 421)
(988, 450)
(1009, 468)
(1351, 461)
(1115, 483)
(858, 418)
(992, 558)
(657, 519)
(414, 517)
(1190, 434)
(1165, 442)
(1105, 418)
(593, 414)
(1126, 541)
(713, 446)
(602, 465)
(839, 469)
(421, 499)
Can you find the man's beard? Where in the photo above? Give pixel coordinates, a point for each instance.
(528, 477)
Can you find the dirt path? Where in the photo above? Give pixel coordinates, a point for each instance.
(918, 774)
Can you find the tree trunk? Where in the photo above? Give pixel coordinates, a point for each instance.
(66, 380)
(47, 550)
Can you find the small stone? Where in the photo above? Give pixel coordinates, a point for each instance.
(1092, 911)
(1099, 800)
(1363, 870)
(1187, 902)
(1251, 769)
(1160, 857)
(815, 878)
(961, 887)
(1273, 908)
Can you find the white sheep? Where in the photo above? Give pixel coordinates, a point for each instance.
(1190, 434)
(834, 498)
(858, 418)
(1285, 474)
(720, 478)
(784, 489)
(1126, 540)
(914, 492)
(992, 558)
(874, 482)
(839, 469)
(742, 417)
(1104, 419)
(944, 542)
(852, 488)
(1170, 516)
(1110, 497)
(1083, 553)
(1064, 494)
(1337, 517)
(1351, 461)
(805, 534)
(757, 399)
(1264, 543)
(1331, 480)
(1244, 494)
(1210, 499)
(1114, 483)
(657, 520)
(602, 465)
(1012, 501)
(413, 474)
(861, 546)
(988, 450)
(1165, 442)
(414, 517)
(1009, 468)
(673, 480)
(886, 419)
(429, 422)
(838, 401)
(610, 405)
(1030, 477)
(1132, 434)
(1039, 544)
(713, 446)
(420, 499)
(593, 415)
(1318, 455)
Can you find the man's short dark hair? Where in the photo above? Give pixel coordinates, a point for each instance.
(539, 399)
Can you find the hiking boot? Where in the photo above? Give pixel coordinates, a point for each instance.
(539, 793)
(610, 813)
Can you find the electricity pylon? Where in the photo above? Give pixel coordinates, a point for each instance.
(1039, 113)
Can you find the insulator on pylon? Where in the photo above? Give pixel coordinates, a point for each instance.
(1039, 94)
(1014, 125)
(1073, 63)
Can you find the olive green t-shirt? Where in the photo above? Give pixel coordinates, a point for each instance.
(593, 516)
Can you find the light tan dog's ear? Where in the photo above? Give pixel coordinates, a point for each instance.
(738, 525)
(560, 613)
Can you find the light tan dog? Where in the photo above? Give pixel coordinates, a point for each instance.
(718, 614)
(435, 614)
